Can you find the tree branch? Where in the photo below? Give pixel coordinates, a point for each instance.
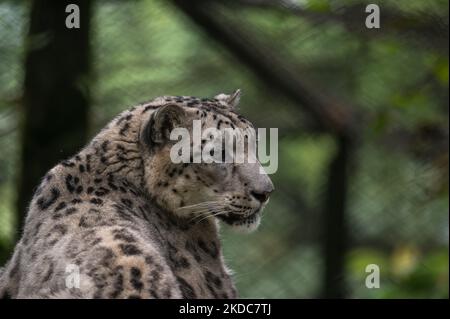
(271, 68)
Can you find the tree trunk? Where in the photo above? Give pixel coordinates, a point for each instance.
(56, 93)
(335, 232)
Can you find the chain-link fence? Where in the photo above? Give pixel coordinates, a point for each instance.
(395, 79)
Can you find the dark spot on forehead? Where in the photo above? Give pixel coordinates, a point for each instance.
(129, 249)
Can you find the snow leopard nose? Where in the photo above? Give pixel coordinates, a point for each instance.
(262, 195)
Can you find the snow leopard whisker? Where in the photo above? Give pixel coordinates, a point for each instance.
(198, 205)
(213, 215)
(209, 211)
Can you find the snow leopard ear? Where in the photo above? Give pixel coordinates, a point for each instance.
(162, 122)
(232, 100)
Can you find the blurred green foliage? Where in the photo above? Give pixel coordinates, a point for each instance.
(398, 201)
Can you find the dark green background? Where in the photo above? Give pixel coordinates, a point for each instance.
(395, 79)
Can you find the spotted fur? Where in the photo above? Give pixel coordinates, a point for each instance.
(119, 211)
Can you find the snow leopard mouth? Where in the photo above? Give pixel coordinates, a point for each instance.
(234, 218)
